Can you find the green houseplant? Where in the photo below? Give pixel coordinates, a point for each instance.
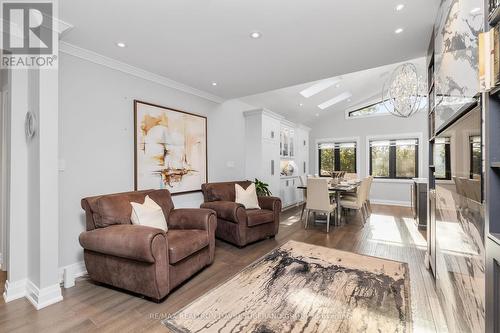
(262, 188)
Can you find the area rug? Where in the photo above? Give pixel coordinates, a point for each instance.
(300, 287)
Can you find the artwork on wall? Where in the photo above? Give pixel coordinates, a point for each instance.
(170, 149)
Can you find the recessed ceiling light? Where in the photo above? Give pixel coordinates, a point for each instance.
(400, 7)
(214, 83)
(301, 105)
(121, 44)
(317, 114)
(337, 85)
(475, 10)
(318, 87)
(398, 30)
(255, 35)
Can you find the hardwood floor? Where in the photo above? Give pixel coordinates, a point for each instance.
(390, 233)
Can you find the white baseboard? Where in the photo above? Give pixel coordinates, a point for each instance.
(41, 298)
(390, 202)
(14, 290)
(68, 274)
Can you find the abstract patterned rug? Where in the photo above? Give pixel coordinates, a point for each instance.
(305, 288)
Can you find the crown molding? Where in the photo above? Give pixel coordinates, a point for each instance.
(102, 60)
(265, 112)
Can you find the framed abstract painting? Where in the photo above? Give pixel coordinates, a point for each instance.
(170, 149)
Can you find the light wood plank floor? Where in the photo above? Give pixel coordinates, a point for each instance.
(390, 233)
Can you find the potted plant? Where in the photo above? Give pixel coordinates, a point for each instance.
(262, 188)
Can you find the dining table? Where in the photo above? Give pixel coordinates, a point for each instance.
(338, 189)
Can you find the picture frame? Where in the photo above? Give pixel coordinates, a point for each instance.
(170, 149)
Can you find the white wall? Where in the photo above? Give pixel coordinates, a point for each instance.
(97, 140)
(335, 125)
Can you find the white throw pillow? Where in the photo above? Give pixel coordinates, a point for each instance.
(148, 214)
(248, 197)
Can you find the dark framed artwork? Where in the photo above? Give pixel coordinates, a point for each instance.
(170, 149)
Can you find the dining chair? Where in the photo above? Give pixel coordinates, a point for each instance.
(367, 199)
(318, 200)
(358, 202)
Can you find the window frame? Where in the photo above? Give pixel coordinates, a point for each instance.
(336, 153)
(393, 157)
(471, 155)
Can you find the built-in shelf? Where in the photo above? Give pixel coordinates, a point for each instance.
(494, 17)
(495, 164)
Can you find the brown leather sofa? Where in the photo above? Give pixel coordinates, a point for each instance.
(238, 225)
(142, 259)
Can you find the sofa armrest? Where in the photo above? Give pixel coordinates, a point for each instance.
(192, 218)
(270, 203)
(126, 241)
(227, 210)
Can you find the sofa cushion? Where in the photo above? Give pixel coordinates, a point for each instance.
(259, 216)
(248, 197)
(183, 243)
(116, 208)
(221, 191)
(148, 214)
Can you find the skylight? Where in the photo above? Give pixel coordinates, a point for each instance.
(319, 87)
(335, 100)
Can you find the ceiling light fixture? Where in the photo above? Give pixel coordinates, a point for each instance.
(475, 10)
(398, 30)
(318, 87)
(301, 105)
(400, 7)
(255, 35)
(214, 84)
(121, 44)
(335, 100)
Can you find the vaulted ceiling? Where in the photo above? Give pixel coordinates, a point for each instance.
(198, 42)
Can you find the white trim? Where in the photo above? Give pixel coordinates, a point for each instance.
(41, 298)
(100, 59)
(69, 273)
(418, 135)
(390, 202)
(14, 290)
(356, 139)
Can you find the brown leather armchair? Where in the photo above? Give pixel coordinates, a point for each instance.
(238, 225)
(142, 259)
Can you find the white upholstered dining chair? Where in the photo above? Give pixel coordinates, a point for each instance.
(318, 199)
(359, 201)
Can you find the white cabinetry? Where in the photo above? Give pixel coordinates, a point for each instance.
(262, 160)
(270, 140)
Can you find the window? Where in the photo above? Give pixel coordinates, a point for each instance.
(379, 109)
(442, 159)
(475, 157)
(336, 157)
(394, 159)
(373, 109)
